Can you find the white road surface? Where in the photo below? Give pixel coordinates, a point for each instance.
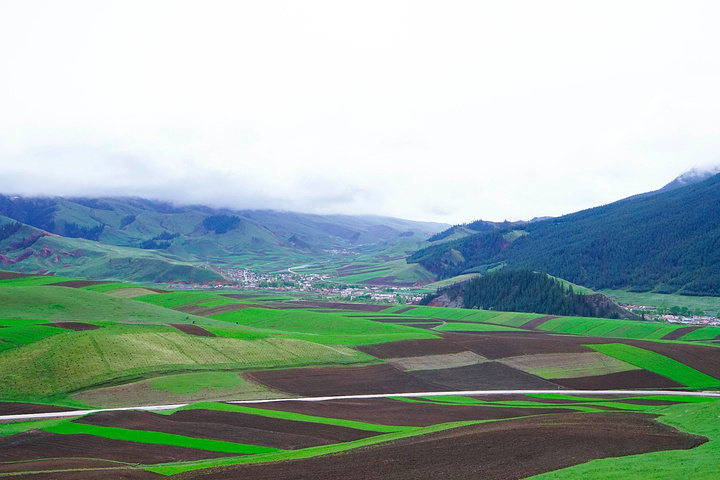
(584, 393)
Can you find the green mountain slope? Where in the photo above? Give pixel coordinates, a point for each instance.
(666, 242)
(143, 240)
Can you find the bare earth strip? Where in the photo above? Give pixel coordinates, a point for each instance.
(536, 322)
(511, 449)
(412, 348)
(38, 444)
(230, 427)
(568, 365)
(437, 362)
(191, 329)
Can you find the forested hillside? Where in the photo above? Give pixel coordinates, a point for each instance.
(668, 242)
(525, 291)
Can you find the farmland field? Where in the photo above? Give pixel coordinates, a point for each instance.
(83, 345)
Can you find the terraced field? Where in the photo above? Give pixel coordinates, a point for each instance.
(85, 344)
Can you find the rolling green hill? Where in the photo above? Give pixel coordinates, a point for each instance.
(142, 240)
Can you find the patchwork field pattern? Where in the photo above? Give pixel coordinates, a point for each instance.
(88, 344)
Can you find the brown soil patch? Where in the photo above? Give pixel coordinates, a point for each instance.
(38, 444)
(230, 427)
(55, 464)
(412, 348)
(511, 449)
(159, 290)
(11, 275)
(501, 344)
(484, 376)
(702, 358)
(78, 283)
(676, 334)
(631, 379)
(17, 408)
(536, 322)
(403, 310)
(91, 470)
(76, 326)
(342, 381)
(191, 329)
(386, 411)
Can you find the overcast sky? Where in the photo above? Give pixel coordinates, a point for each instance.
(448, 111)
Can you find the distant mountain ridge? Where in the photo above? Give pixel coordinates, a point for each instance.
(193, 234)
(665, 242)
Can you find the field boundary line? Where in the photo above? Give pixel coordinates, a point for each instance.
(80, 413)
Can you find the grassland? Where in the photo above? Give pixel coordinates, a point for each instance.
(659, 364)
(68, 363)
(474, 327)
(599, 327)
(568, 365)
(698, 463)
(178, 388)
(293, 416)
(179, 467)
(158, 438)
(325, 328)
(63, 304)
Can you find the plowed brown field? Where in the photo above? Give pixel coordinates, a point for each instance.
(342, 381)
(387, 411)
(510, 449)
(230, 427)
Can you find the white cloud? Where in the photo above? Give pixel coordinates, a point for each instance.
(440, 111)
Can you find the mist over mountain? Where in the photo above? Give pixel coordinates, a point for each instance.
(694, 175)
(147, 240)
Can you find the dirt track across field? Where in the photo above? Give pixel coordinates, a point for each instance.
(511, 449)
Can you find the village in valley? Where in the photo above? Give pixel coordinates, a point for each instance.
(321, 285)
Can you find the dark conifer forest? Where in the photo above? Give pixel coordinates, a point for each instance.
(667, 242)
(526, 291)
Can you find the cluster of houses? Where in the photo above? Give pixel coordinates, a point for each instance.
(320, 284)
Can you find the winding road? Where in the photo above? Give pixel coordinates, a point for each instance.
(79, 413)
